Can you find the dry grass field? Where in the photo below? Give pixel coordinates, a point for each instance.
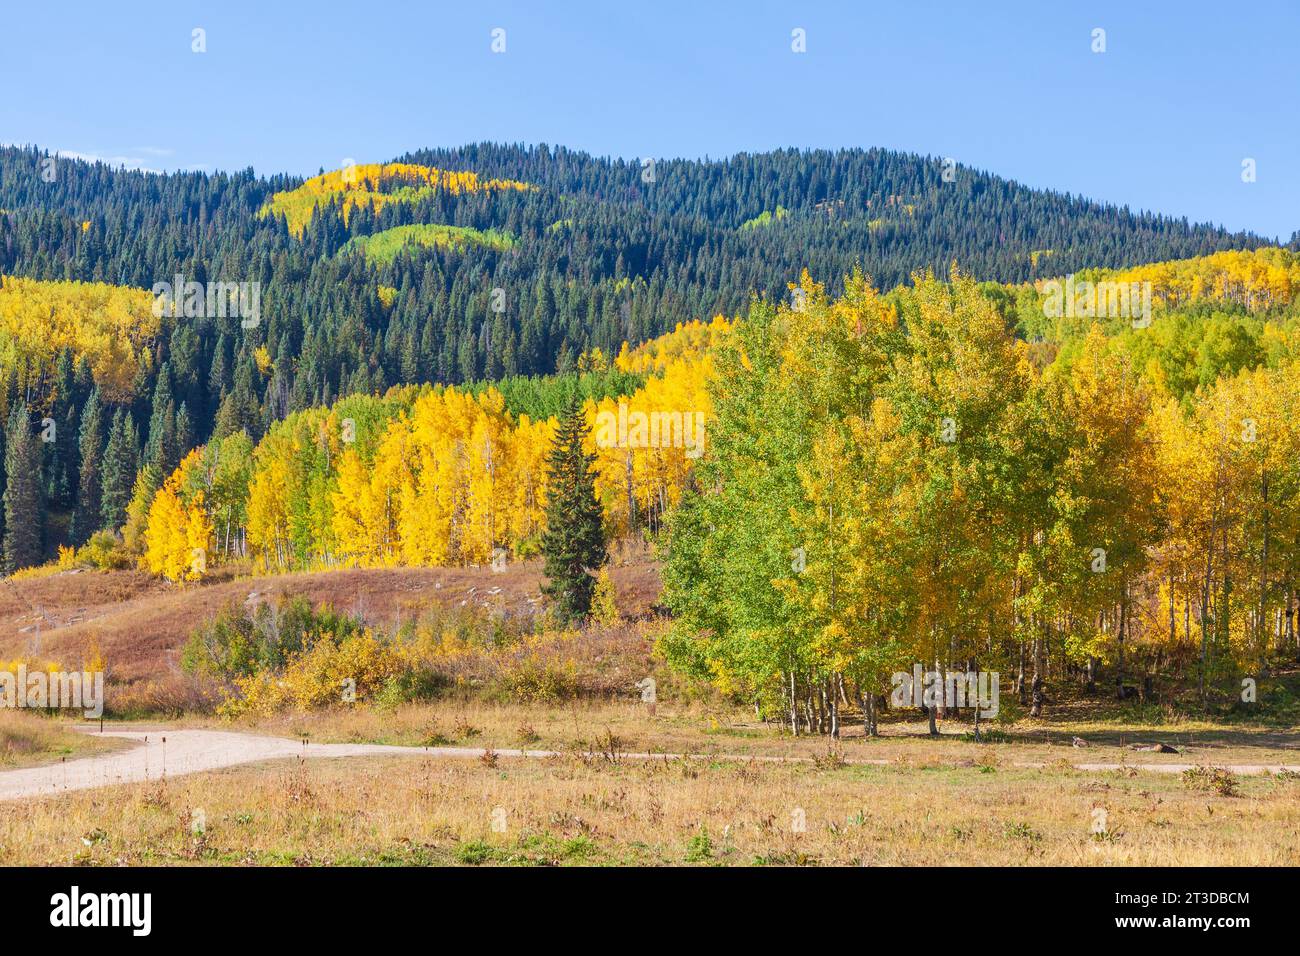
(945, 801)
(607, 810)
(714, 729)
(28, 739)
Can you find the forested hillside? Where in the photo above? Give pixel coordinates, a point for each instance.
(459, 267)
(599, 255)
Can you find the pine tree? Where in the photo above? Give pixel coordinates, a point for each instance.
(62, 465)
(219, 373)
(185, 439)
(574, 540)
(121, 461)
(85, 520)
(160, 448)
(23, 498)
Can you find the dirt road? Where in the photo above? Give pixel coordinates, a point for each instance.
(174, 753)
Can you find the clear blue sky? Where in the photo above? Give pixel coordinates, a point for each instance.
(1161, 120)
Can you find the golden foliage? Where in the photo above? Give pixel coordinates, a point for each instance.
(178, 534)
(376, 185)
(447, 477)
(690, 340)
(1258, 279)
(326, 673)
(111, 327)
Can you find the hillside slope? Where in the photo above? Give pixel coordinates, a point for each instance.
(140, 624)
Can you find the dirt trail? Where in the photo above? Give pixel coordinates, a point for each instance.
(173, 753)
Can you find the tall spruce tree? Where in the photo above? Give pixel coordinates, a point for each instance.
(160, 446)
(86, 517)
(121, 461)
(185, 439)
(24, 494)
(61, 466)
(574, 541)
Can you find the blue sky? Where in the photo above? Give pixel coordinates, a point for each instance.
(1162, 120)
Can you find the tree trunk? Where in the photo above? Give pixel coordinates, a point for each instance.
(794, 707)
(1021, 689)
(1263, 570)
(1036, 705)
(940, 703)
(833, 702)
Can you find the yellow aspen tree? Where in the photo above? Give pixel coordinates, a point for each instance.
(166, 543)
(198, 539)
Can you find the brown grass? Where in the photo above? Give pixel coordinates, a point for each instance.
(140, 624)
(28, 739)
(709, 726)
(600, 810)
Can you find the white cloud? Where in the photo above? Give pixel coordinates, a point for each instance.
(130, 162)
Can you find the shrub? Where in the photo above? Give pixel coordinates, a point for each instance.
(699, 848)
(319, 675)
(291, 656)
(533, 679)
(604, 605)
(103, 551)
(239, 643)
(1217, 779)
(415, 682)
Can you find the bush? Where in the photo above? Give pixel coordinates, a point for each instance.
(533, 679)
(293, 657)
(239, 643)
(104, 552)
(413, 683)
(604, 605)
(1220, 780)
(318, 676)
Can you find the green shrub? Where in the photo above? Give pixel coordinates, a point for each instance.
(240, 643)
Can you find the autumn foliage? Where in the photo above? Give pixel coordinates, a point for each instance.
(110, 327)
(432, 476)
(375, 185)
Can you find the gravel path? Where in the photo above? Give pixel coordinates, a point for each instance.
(177, 752)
